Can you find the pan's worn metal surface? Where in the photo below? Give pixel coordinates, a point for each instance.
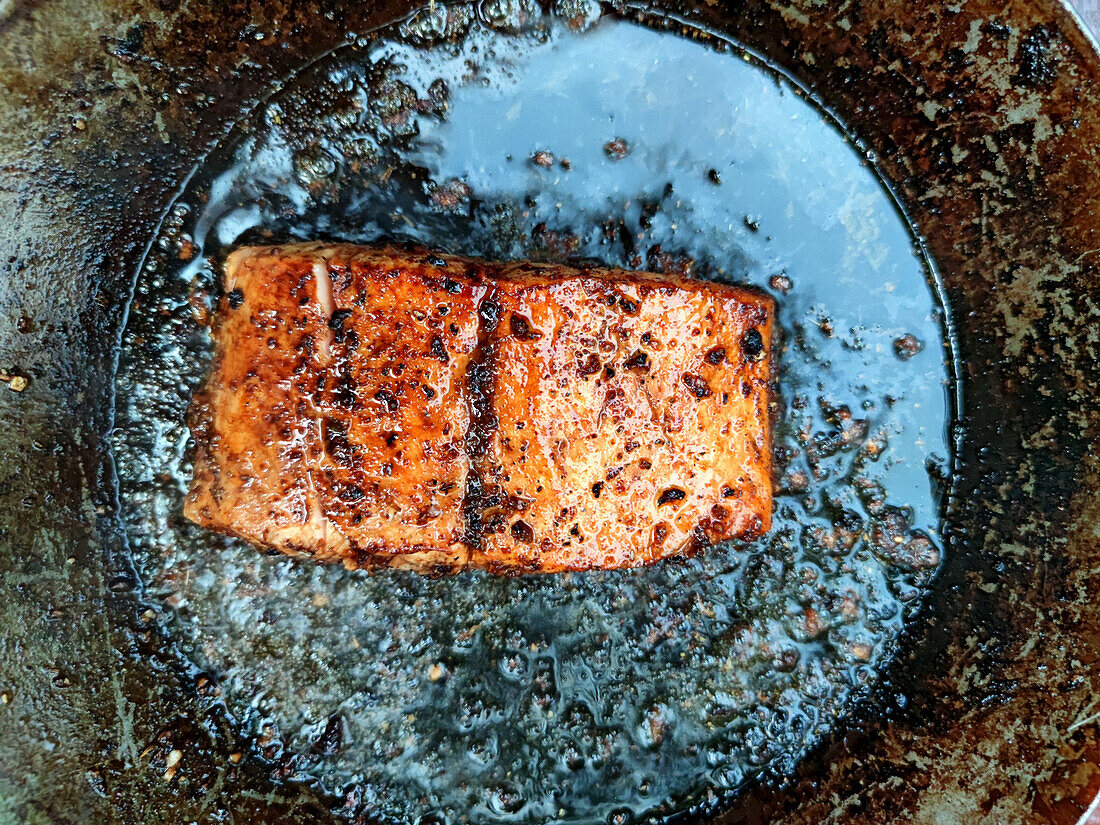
(986, 118)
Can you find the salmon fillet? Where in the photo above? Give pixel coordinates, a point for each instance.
(393, 408)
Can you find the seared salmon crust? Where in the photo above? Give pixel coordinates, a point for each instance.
(387, 407)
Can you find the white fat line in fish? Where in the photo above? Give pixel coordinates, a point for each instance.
(323, 284)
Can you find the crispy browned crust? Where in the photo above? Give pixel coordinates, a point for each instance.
(394, 409)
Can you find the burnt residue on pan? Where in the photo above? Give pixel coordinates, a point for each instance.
(984, 118)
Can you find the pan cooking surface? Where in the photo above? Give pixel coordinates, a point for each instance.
(578, 697)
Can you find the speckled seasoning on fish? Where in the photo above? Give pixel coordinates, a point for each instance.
(394, 408)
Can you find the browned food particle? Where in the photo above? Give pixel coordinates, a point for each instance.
(907, 346)
(617, 148)
(451, 195)
(543, 159)
(513, 417)
(781, 283)
(558, 244)
(660, 260)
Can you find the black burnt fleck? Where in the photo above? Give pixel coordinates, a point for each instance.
(671, 495)
(439, 349)
(715, 356)
(521, 531)
(638, 361)
(752, 344)
(338, 318)
(387, 399)
(697, 384)
(588, 364)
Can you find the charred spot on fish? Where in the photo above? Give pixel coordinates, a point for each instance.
(728, 492)
(697, 384)
(608, 373)
(391, 440)
(516, 504)
(435, 260)
(338, 318)
(660, 533)
(350, 493)
(698, 542)
(387, 399)
(588, 364)
(671, 495)
(429, 393)
(715, 355)
(520, 327)
(597, 488)
(752, 345)
(522, 531)
(438, 349)
(638, 361)
(628, 306)
(343, 391)
(235, 298)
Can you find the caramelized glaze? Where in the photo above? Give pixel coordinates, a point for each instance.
(390, 408)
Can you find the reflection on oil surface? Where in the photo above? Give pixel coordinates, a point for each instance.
(580, 697)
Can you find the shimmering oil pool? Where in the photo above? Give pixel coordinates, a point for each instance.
(580, 698)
